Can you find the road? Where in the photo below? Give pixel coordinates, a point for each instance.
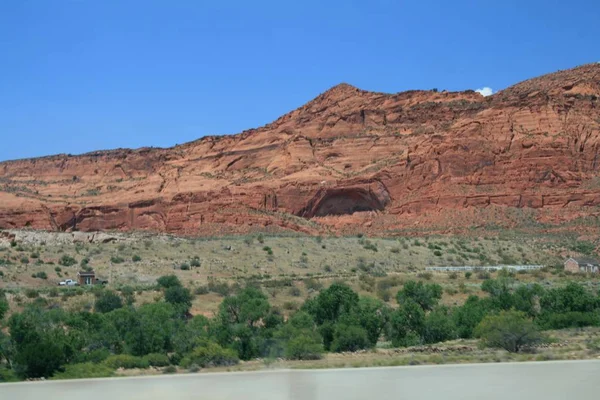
(529, 381)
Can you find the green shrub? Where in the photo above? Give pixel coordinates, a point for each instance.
(439, 326)
(195, 262)
(483, 275)
(34, 255)
(509, 330)
(268, 250)
(24, 260)
(40, 274)
(184, 267)
(425, 295)
(95, 356)
(295, 291)
(167, 281)
(594, 345)
(437, 253)
(425, 275)
(171, 369)
(304, 347)
(260, 238)
(31, 293)
(349, 338)
(221, 288)
(313, 284)
(126, 361)
(389, 283)
(85, 370)
(583, 247)
(201, 290)
(178, 295)
(384, 294)
(453, 275)
(108, 301)
(210, 354)
(571, 319)
(468, 275)
(136, 258)
(290, 305)
(67, 261)
(157, 359)
(117, 260)
(58, 269)
(368, 245)
(8, 375)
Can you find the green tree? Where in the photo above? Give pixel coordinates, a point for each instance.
(439, 326)
(509, 330)
(239, 322)
(43, 342)
(331, 303)
(179, 297)
(499, 290)
(426, 296)
(407, 324)
(4, 307)
(7, 349)
(298, 338)
(572, 297)
(371, 314)
(108, 301)
(527, 298)
(469, 315)
(191, 334)
(248, 307)
(151, 330)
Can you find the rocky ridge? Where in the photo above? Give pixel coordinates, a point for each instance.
(348, 161)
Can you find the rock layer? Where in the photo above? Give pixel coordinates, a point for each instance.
(348, 161)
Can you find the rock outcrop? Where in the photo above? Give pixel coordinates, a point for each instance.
(348, 161)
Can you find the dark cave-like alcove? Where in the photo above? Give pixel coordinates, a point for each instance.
(343, 201)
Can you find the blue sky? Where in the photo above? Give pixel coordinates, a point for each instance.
(81, 75)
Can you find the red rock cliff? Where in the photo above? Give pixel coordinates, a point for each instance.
(348, 161)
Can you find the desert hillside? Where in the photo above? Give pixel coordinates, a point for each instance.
(348, 161)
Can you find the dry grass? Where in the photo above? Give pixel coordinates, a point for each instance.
(567, 344)
(373, 266)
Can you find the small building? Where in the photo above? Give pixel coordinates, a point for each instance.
(582, 265)
(86, 277)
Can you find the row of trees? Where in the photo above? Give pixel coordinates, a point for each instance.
(42, 342)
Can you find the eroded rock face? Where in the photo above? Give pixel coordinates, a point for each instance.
(348, 161)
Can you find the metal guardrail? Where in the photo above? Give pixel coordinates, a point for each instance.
(489, 268)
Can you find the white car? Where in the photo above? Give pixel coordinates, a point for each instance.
(68, 282)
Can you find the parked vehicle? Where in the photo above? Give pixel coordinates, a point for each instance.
(68, 282)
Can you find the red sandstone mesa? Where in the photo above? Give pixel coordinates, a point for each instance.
(348, 161)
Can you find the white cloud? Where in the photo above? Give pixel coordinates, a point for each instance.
(485, 91)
